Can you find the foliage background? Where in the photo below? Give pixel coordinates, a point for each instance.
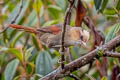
(20, 55)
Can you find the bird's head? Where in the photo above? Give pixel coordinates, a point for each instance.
(79, 34)
(84, 37)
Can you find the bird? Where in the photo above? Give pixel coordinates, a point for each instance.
(51, 36)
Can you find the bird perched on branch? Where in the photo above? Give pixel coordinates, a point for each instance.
(51, 36)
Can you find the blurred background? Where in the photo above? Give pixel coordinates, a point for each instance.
(20, 55)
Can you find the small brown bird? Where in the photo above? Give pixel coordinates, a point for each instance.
(51, 36)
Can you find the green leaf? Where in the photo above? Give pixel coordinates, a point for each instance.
(37, 5)
(48, 23)
(2, 42)
(28, 53)
(5, 37)
(61, 3)
(98, 4)
(111, 17)
(14, 51)
(104, 4)
(117, 49)
(11, 69)
(35, 42)
(112, 32)
(16, 38)
(118, 5)
(44, 63)
(55, 7)
(73, 51)
(12, 35)
(116, 61)
(17, 77)
(32, 18)
(39, 75)
(30, 67)
(54, 11)
(104, 78)
(109, 12)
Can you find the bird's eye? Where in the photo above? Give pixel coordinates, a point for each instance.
(81, 37)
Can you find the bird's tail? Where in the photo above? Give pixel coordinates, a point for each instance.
(20, 27)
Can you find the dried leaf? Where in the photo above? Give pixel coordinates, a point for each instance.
(80, 13)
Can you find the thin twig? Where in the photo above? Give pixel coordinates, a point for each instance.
(68, 12)
(14, 20)
(69, 55)
(112, 54)
(68, 19)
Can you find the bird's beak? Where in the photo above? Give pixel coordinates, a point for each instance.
(84, 43)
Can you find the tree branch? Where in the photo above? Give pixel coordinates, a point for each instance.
(68, 12)
(78, 63)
